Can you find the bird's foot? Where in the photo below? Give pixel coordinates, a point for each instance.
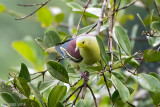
(83, 75)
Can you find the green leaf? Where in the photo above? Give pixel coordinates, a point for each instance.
(123, 39)
(2, 8)
(133, 35)
(104, 56)
(156, 25)
(58, 71)
(51, 38)
(134, 63)
(155, 75)
(22, 86)
(141, 21)
(7, 97)
(45, 16)
(28, 103)
(149, 82)
(59, 104)
(80, 103)
(156, 98)
(45, 85)
(119, 76)
(75, 6)
(25, 50)
(41, 43)
(123, 91)
(59, 17)
(55, 95)
(7, 88)
(24, 72)
(36, 94)
(151, 55)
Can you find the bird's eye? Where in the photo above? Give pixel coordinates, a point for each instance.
(83, 42)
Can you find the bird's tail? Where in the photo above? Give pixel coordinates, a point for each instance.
(50, 50)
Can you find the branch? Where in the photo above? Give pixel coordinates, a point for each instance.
(100, 21)
(85, 7)
(24, 17)
(108, 88)
(94, 98)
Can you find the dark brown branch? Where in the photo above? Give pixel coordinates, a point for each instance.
(28, 5)
(36, 77)
(85, 7)
(74, 102)
(94, 98)
(43, 4)
(76, 82)
(72, 94)
(130, 104)
(100, 21)
(39, 72)
(108, 88)
(91, 28)
(157, 8)
(128, 5)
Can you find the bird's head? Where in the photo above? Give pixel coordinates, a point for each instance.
(82, 42)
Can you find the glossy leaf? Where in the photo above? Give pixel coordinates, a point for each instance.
(2, 8)
(75, 6)
(51, 38)
(55, 95)
(133, 35)
(28, 103)
(156, 98)
(41, 43)
(123, 91)
(104, 56)
(22, 86)
(151, 55)
(45, 16)
(25, 50)
(24, 72)
(141, 21)
(36, 94)
(59, 17)
(119, 76)
(155, 75)
(149, 82)
(134, 63)
(80, 103)
(45, 85)
(9, 99)
(58, 71)
(156, 25)
(123, 39)
(59, 104)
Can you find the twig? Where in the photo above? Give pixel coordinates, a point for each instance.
(76, 82)
(130, 104)
(91, 28)
(36, 77)
(94, 98)
(39, 72)
(72, 94)
(108, 89)
(100, 21)
(85, 7)
(42, 5)
(157, 8)
(76, 97)
(28, 5)
(124, 7)
(85, 84)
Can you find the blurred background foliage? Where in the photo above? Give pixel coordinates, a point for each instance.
(59, 16)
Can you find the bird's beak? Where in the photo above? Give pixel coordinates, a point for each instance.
(76, 48)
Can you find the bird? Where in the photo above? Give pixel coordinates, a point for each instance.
(83, 49)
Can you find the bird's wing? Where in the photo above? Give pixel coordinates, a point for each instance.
(67, 50)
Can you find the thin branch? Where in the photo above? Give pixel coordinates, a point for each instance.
(36, 77)
(130, 104)
(85, 7)
(108, 89)
(157, 8)
(74, 102)
(91, 28)
(72, 94)
(124, 7)
(43, 4)
(100, 21)
(94, 98)
(39, 72)
(28, 5)
(76, 82)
